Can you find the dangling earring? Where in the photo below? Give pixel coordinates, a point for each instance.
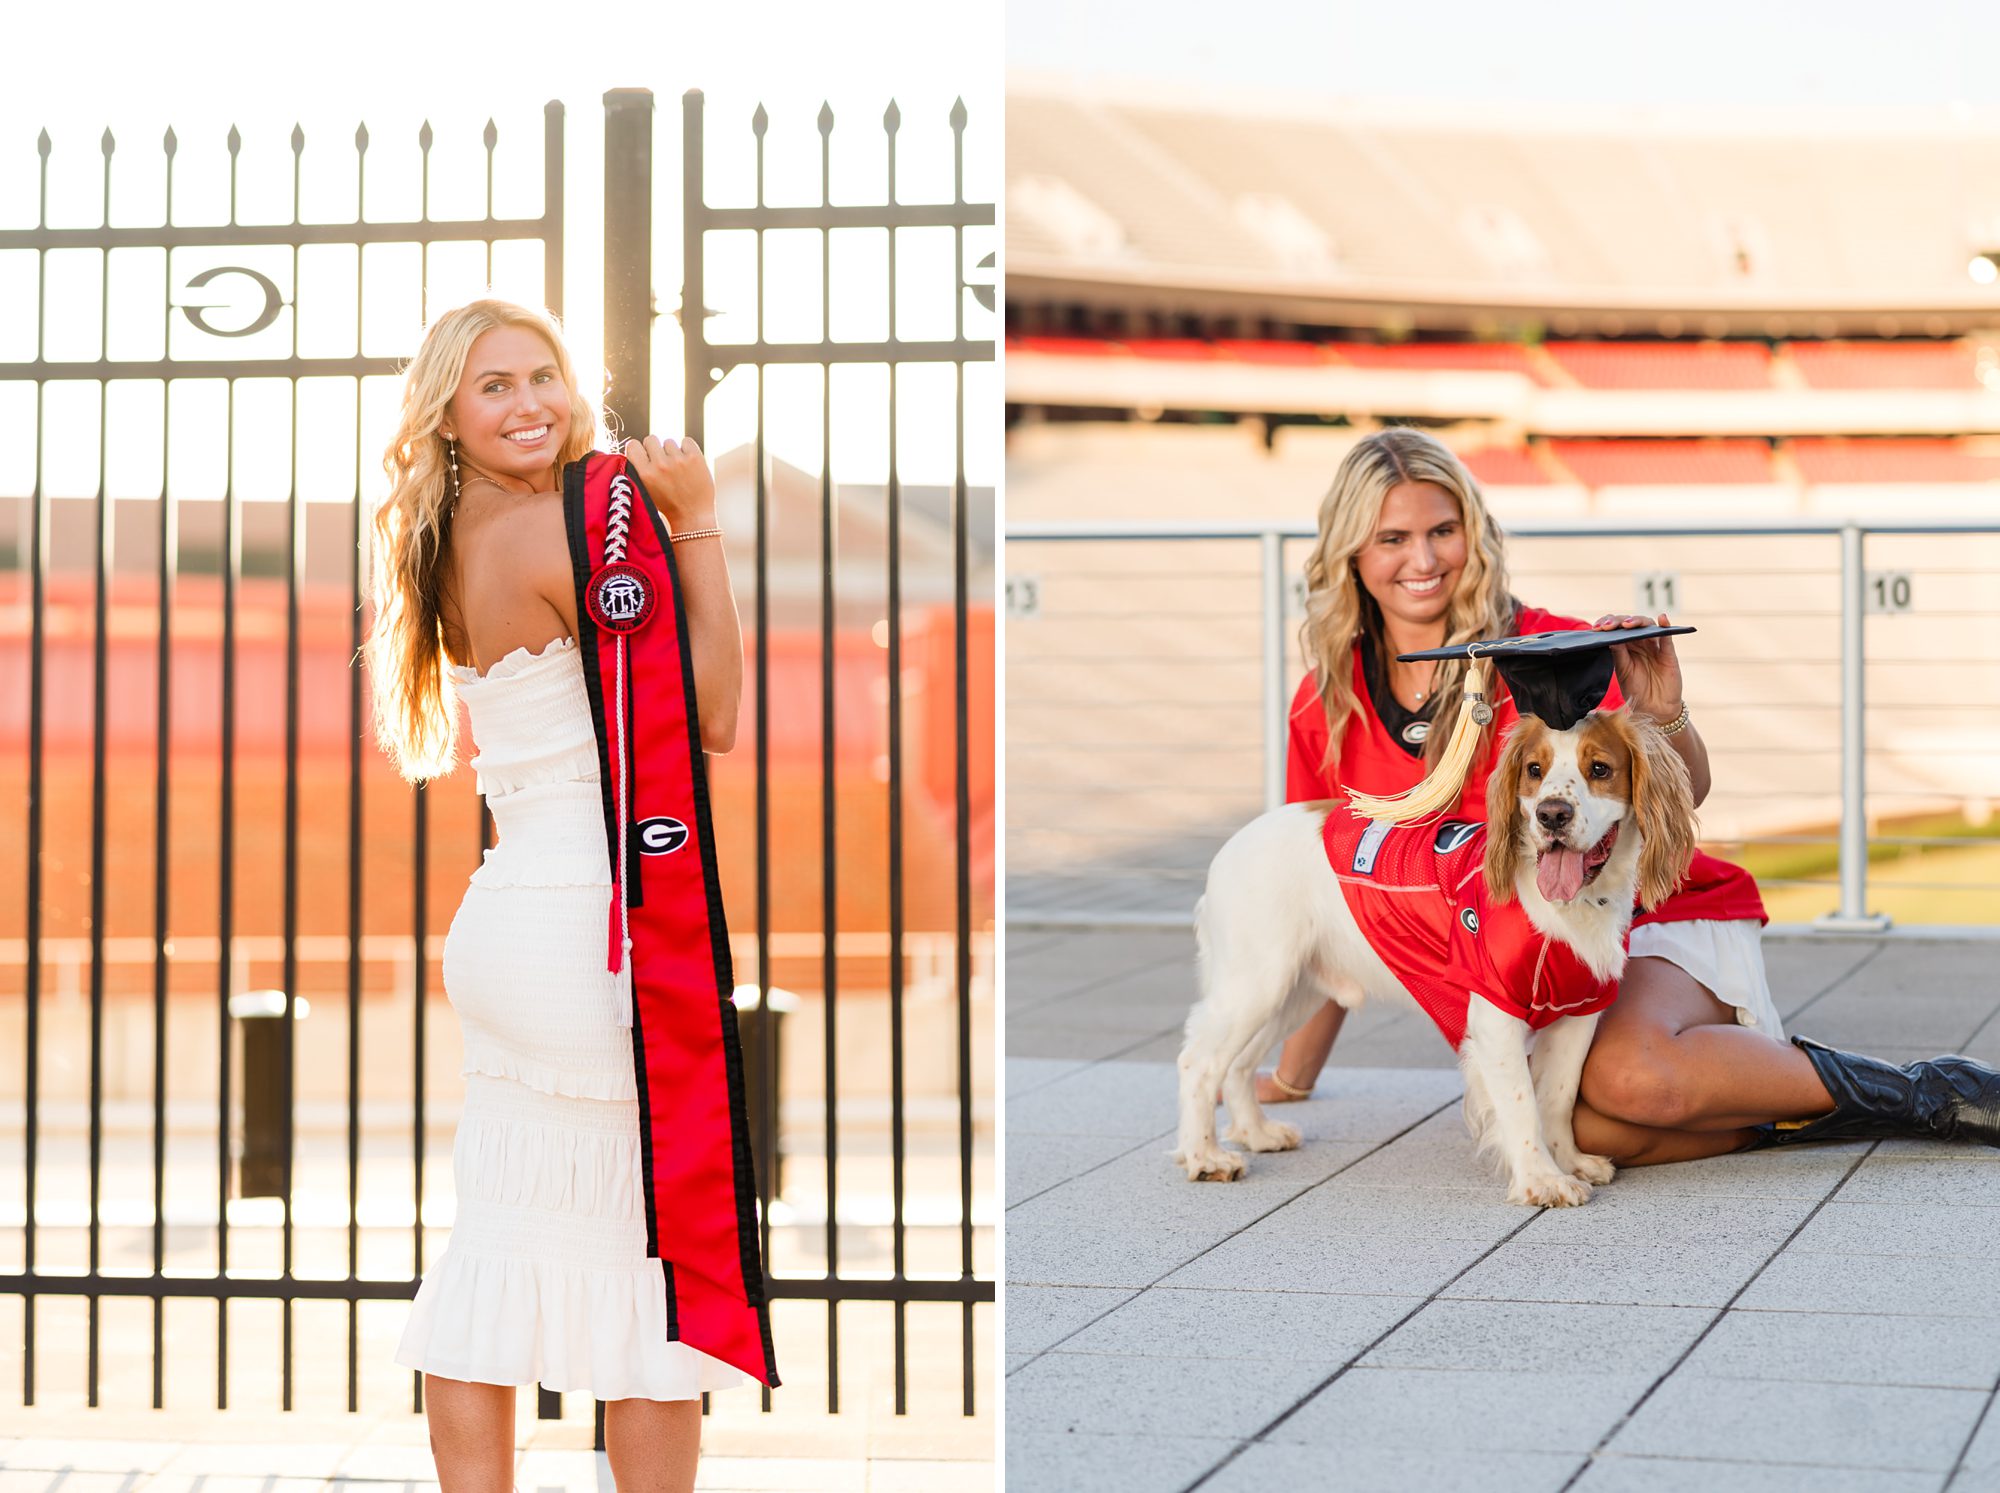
(451, 450)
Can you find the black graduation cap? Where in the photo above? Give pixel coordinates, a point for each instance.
(1559, 676)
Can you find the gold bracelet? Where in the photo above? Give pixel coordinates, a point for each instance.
(1288, 1089)
(1678, 724)
(697, 534)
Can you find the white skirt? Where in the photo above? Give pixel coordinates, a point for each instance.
(1725, 957)
(546, 1278)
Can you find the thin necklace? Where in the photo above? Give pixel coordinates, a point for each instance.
(1421, 693)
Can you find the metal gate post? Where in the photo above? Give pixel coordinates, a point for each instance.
(694, 323)
(628, 259)
(1275, 722)
(1853, 916)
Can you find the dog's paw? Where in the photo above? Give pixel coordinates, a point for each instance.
(1587, 1168)
(1212, 1165)
(1549, 1190)
(1272, 1135)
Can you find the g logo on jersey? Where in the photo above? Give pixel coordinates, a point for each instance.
(1469, 918)
(661, 836)
(1454, 833)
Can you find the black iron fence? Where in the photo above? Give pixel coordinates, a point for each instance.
(229, 305)
(707, 365)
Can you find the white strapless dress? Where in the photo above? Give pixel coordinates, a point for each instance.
(545, 1278)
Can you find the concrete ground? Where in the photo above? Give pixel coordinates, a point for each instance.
(1367, 1312)
(72, 1450)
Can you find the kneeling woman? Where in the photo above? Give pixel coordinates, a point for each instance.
(1691, 1060)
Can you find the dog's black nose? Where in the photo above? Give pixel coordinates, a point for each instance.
(1554, 815)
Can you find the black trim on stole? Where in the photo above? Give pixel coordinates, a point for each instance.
(576, 513)
(718, 932)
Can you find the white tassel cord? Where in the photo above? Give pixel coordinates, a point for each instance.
(617, 525)
(1441, 788)
(622, 961)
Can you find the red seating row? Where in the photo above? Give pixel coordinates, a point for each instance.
(1664, 365)
(1610, 463)
(1833, 460)
(1594, 365)
(1888, 365)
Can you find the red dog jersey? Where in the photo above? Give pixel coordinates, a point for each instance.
(1419, 898)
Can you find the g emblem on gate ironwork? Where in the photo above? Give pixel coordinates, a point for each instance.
(274, 301)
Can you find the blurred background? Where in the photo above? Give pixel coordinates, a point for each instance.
(213, 263)
(1707, 301)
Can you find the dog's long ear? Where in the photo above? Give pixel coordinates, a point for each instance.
(1503, 811)
(1663, 803)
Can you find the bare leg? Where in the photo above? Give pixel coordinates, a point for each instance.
(1637, 1145)
(1670, 1056)
(472, 1434)
(1304, 1054)
(653, 1444)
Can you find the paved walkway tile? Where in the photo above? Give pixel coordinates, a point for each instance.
(1463, 1410)
(1884, 1426)
(1338, 1210)
(1367, 1265)
(1981, 1469)
(1890, 1178)
(1613, 1274)
(1113, 1394)
(1610, 1474)
(1368, 1312)
(1903, 1285)
(1542, 1337)
(1040, 1459)
(1242, 1325)
(1851, 1348)
(1618, 1215)
(1039, 1317)
(1359, 1469)
(1035, 1163)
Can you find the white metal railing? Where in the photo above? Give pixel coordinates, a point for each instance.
(1024, 592)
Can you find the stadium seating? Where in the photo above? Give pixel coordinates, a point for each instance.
(1482, 357)
(1503, 466)
(1664, 365)
(1671, 462)
(1894, 461)
(1887, 365)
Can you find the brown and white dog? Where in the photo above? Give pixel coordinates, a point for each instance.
(1581, 823)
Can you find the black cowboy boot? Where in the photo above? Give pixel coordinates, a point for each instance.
(1947, 1098)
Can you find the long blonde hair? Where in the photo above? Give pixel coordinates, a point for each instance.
(416, 708)
(1339, 608)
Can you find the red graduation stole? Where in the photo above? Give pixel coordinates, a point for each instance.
(667, 938)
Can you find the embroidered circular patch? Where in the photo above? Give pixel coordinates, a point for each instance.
(1469, 918)
(619, 597)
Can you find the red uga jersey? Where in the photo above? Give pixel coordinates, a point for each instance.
(1418, 894)
(1370, 761)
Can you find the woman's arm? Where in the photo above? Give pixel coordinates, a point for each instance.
(682, 486)
(1649, 674)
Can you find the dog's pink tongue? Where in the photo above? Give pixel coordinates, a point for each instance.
(1559, 874)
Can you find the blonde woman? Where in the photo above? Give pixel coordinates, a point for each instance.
(546, 1277)
(1690, 1061)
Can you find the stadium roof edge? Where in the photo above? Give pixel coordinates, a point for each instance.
(1442, 306)
(1948, 119)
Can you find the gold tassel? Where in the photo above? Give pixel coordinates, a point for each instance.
(1441, 788)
